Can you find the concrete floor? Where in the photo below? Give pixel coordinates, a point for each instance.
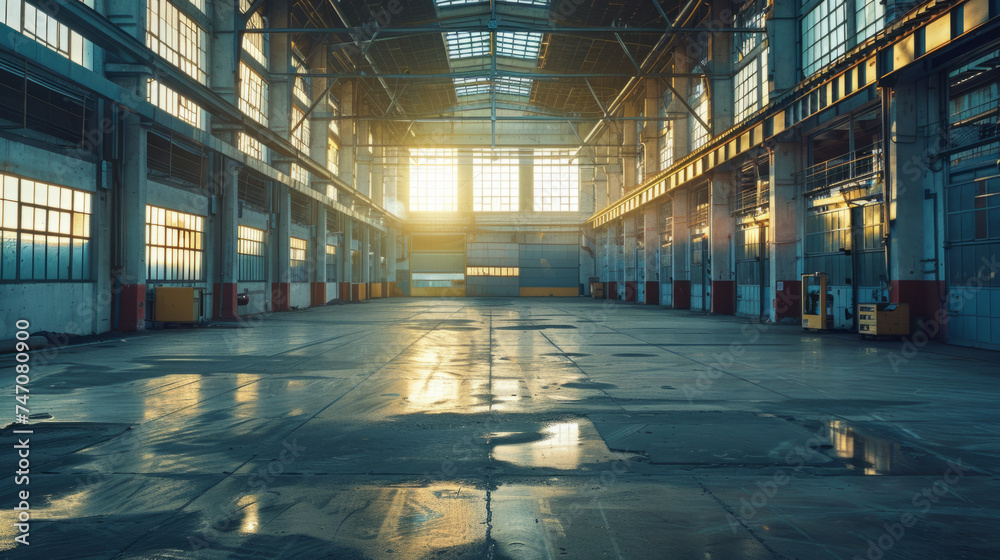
(510, 429)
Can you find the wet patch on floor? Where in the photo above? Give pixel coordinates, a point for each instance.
(533, 327)
(628, 355)
(566, 354)
(589, 385)
(562, 445)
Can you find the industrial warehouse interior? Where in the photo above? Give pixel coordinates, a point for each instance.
(500, 279)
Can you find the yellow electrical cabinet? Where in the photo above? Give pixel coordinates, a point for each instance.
(817, 312)
(875, 319)
(178, 305)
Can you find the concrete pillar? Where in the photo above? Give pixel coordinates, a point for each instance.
(587, 190)
(651, 246)
(615, 181)
(362, 158)
(782, 63)
(320, 131)
(651, 130)
(132, 296)
(721, 93)
(629, 253)
(280, 90)
(912, 269)
(681, 244)
(223, 64)
(403, 182)
(526, 179)
(721, 237)
(678, 127)
(226, 178)
(784, 231)
(281, 250)
(465, 183)
(629, 148)
(600, 183)
(347, 137)
(366, 259)
(318, 288)
(347, 274)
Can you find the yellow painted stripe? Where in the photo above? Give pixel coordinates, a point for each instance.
(546, 292)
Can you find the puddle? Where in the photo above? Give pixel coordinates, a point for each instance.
(559, 447)
(633, 355)
(566, 354)
(589, 385)
(873, 455)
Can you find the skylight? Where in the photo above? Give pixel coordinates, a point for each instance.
(513, 86)
(518, 44)
(466, 44)
(445, 3)
(514, 44)
(504, 85)
(471, 86)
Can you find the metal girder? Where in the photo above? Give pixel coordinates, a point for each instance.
(254, 6)
(314, 104)
(513, 28)
(498, 118)
(487, 75)
(690, 109)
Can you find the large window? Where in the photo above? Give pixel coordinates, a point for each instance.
(39, 26)
(495, 181)
(253, 94)
(332, 154)
(177, 38)
(303, 84)
(44, 231)
(824, 34)
(251, 255)
(253, 102)
(301, 135)
(557, 182)
(666, 145)
(174, 103)
(433, 180)
(498, 271)
(174, 245)
(297, 270)
(331, 263)
(255, 44)
(699, 134)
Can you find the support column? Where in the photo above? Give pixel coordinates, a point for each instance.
(651, 129)
(132, 295)
(464, 183)
(280, 239)
(651, 245)
(912, 268)
(631, 280)
(366, 260)
(629, 148)
(363, 159)
(318, 289)
(526, 181)
(347, 138)
(721, 236)
(227, 286)
(680, 250)
(786, 211)
(347, 275)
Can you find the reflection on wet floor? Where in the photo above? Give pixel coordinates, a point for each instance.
(556, 446)
(873, 455)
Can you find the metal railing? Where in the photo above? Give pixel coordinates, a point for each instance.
(758, 196)
(861, 164)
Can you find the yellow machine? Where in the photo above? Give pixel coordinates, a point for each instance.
(817, 308)
(178, 305)
(875, 319)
